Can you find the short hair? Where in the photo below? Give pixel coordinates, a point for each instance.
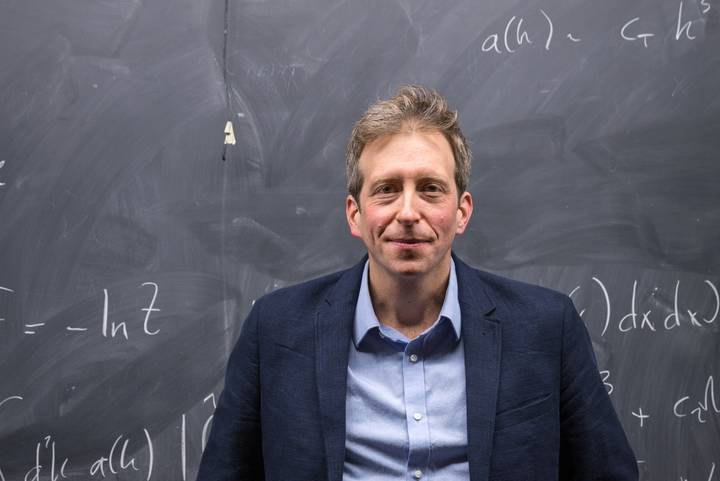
(413, 108)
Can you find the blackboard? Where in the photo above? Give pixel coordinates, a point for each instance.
(130, 251)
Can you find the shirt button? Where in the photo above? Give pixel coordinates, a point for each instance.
(413, 358)
(417, 474)
(417, 417)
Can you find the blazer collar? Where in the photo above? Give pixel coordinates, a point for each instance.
(333, 334)
(483, 344)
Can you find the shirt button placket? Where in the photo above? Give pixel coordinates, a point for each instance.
(414, 388)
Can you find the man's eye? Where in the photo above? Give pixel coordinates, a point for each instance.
(386, 189)
(433, 188)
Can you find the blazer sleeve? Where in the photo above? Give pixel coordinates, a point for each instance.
(593, 444)
(234, 448)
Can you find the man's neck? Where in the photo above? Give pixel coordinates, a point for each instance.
(408, 305)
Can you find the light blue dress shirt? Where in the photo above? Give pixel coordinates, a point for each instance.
(405, 402)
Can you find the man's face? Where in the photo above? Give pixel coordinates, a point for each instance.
(409, 211)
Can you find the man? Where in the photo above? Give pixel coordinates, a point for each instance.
(411, 365)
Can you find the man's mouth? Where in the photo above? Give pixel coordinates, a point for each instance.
(409, 243)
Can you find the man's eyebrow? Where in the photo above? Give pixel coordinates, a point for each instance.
(422, 179)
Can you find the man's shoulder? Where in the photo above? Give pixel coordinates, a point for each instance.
(316, 293)
(509, 294)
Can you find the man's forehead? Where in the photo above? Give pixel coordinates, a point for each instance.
(407, 140)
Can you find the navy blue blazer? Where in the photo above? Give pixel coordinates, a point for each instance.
(536, 405)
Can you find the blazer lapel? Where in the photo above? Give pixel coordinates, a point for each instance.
(483, 344)
(333, 331)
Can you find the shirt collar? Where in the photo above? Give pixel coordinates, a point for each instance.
(365, 318)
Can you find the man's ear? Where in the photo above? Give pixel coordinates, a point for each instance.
(352, 211)
(464, 212)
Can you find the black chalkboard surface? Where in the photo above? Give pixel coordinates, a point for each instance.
(130, 252)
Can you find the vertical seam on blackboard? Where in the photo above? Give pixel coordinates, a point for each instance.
(224, 186)
(225, 76)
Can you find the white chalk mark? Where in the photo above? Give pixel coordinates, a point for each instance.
(569, 35)
(77, 328)
(150, 309)
(573, 291)
(5, 289)
(205, 432)
(8, 399)
(39, 324)
(507, 28)
(150, 448)
(522, 35)
(622, 30)
(182, 447)
(112, 452)
(606, 375)
(122, 458)
(493, 45)
(29, 332)
(607, 303)
(675, 313)
(680, 401)
(712, 471)
(52, 464)
(229, 134)
(105, 314)
(705, 10)
(717, 302)
(547, 44)
(633, 314)
(213, 399)
(685, 28)
(2, 478)
(643, 36)
(2, 162)
(641, 416)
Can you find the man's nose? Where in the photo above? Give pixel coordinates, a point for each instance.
(409, 209)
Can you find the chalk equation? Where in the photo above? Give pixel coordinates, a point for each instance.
(110, 328)
(48, 462)
(514, 36)
(642, 320)
(704, 407)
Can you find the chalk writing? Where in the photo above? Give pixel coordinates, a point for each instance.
(10, 398)
(640, 416)
(513, 36)
(632, 31)
(510, 43)
(642, 320)
(150, 309)
(35, 470)
(121, 464)
(2, 162)
(608, 386)
(206, 426)
(703, 406)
